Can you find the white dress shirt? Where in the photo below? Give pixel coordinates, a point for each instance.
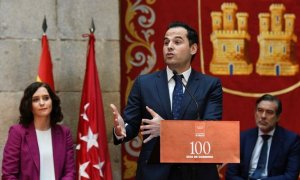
(46, 154)
(171, 81)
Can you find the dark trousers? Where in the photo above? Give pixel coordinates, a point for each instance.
(193, 172)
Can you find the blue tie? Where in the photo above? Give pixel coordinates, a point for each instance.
(177, 96)
(261, 165)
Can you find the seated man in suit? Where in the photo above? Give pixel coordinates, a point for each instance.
(268, 151)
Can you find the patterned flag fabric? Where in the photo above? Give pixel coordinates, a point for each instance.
(93, 160)
(45, 68)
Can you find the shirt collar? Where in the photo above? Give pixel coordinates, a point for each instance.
(271, 133)
(186, 74)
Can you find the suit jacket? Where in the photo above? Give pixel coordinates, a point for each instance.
(21, 158)
(152, 90)
(284, 156)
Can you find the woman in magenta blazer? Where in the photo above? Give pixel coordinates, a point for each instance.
(37, 147)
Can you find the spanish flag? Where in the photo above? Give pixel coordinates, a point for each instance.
(45, 68)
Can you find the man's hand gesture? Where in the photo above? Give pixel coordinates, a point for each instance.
(119, 126)
(151, 126)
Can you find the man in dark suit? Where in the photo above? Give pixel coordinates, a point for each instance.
(282, 147)
(151, 99)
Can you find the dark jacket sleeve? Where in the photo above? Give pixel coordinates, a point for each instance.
(213, 109)
(233, 172)
(132, 113)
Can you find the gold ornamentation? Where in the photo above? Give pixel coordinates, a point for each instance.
(130, 168)
(140, 52)
(230, 42)
(256, 95)
(140, 56)
(132, 148)
(276, 54)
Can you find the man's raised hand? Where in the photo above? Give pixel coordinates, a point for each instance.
(119, 126)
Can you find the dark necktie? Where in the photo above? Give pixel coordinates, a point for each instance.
(261, 165)
(177, 96)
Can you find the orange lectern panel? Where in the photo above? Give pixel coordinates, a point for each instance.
(185, 141)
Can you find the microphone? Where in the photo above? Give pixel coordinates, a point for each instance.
(189, 93)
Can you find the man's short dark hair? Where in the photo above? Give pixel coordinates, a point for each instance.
(192, 34)
(268, 97)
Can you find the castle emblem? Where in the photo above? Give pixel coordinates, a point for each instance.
(276, 43)
(230, 39)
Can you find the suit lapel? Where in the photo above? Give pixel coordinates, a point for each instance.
(163, 93)
(192, 85)
(31, 139)
(249, 147)
(276, 142)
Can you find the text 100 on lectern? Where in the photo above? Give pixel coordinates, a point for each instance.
(188, 141)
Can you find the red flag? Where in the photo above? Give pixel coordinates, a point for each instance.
(93, 160)
(45, 68)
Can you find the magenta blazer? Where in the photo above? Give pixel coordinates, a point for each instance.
(21, 158)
